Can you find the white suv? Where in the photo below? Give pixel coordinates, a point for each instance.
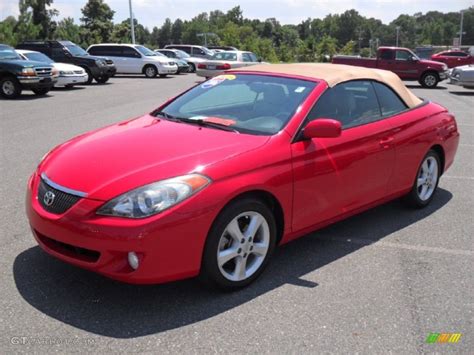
(135, 59)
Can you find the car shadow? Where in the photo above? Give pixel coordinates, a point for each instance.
(72, 88)
(413, 86)
(98, 305)
(26, 96)
(462, 93)
(122, 76)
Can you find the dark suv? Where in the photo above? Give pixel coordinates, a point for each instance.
(98, 68)
(17, 74)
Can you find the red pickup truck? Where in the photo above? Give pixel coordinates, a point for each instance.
(402, 62)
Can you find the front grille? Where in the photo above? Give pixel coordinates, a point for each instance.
(43, 72)
(57, 201)
(78, 71)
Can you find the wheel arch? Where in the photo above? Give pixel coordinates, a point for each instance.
(270, 200)
(428, 71)
(440, 151)
(150, 65)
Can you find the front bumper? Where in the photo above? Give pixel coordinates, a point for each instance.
(169, 245)
(100, 72)
(33, 82)
(71, 80)
(444, 75)
(167, 69)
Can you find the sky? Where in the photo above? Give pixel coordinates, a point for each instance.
(153, 12)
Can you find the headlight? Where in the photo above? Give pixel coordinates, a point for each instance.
(172, 63)
(100, 63)
(28, 72)
(66, 72)
(154, 198)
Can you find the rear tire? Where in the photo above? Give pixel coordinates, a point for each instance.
(10, 88)
(426, 182)
(239, 245)
(41, 91)
(429, 80)
(150, 71)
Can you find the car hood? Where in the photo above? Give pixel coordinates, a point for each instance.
(65, 66)
(110, 161)
(20, 63)
(433, 63)
(159, 59)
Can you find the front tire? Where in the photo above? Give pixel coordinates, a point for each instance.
(41, 91)
(426, 181)
(239, 245)
(150, 71)
(10, 88)
(192, 68)
(89, 76)
(102, 79)
(429, 80)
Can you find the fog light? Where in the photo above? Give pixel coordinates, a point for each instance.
(133, 260)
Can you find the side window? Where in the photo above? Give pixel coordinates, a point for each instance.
(246, 57)
(402, 55)
(129, 53)
(353, 103)
(57, 53)
(387, 55)
(198, 51)
(114, 51)
(253, 57)
(460, 54)
(390, 103)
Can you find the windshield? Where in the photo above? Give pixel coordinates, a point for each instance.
(230, 56)
(145, 51)
(39, 57)
(181, 54)
(75, 50)
(8, 53)
(254, 104)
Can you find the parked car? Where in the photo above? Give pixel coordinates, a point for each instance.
(222, 48)
(192, 50)
(69, 75)
(97, 68)
(223, 61)
(212, 180)
(179, 54)
(453, 58)
(463, 76)
(135, 59)
(17, 75)
(183, 66)
(402, 62)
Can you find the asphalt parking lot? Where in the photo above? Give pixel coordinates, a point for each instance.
(376, 283)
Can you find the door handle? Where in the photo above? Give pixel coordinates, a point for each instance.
(386, 142)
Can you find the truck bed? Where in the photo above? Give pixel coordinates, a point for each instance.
(357, 61)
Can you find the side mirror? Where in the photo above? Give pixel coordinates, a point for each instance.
(413, 59)
(322, 128)
(66, 53)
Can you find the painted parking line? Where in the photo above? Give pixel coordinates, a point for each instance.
(367, 242)
(457, 177)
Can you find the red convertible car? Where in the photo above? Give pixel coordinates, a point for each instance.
(214, 179)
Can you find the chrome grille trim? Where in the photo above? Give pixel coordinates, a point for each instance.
(62, 188)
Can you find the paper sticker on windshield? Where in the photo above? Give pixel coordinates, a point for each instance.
(300, 89)
(217, 80)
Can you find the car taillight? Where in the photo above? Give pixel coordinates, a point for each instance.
(202, 66)
(224, 67)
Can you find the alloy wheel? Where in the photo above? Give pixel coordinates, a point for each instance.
(427, 178)
(243, 246)
(8, 88)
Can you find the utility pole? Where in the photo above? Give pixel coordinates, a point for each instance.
(460, 32)
(132, 22)
(398, 34)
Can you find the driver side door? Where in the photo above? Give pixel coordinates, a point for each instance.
(334, 176)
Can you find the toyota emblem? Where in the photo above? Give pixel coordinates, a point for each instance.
(48, 198)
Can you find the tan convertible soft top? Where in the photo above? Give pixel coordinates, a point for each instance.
(334, 74)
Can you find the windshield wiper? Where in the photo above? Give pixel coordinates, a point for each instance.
(200, 121)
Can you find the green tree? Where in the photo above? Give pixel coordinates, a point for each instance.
(42, 15)
(97, 22)
(177, 31)
(68, 30)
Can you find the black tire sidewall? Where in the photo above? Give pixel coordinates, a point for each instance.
(210, 272)
(15, 83)
(192, 68)
(90, 78)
